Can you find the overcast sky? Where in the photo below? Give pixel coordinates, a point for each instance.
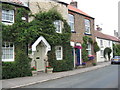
(105, 13)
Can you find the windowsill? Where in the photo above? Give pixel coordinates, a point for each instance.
(59, 59)
(7, 23)
(73, 31)
(88, 34)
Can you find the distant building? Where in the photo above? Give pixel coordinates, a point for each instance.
(104, 41)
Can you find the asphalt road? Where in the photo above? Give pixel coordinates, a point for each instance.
(106, 77)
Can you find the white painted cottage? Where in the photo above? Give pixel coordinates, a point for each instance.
(104, 41)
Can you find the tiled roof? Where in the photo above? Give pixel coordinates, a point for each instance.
(14, 1)
(77, 10)
(105, 36)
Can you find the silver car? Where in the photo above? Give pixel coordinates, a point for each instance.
(116, 59)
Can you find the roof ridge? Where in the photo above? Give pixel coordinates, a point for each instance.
(70, 7)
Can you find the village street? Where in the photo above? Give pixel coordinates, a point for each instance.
(106, 77)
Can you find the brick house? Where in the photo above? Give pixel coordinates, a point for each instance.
(81, 25)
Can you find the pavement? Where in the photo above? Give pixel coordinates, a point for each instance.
(42, 77)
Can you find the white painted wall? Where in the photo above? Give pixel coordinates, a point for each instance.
(105, 44)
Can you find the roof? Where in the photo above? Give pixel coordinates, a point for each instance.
(105, 36)
(16, 2)
(77, 10)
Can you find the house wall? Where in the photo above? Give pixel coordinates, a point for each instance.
(105, 44)
(79, 26)
(45, 5)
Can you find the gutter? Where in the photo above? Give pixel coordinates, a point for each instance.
(81, 14)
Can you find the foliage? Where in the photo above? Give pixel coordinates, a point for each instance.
(107, 51)
(18, 33)
(94, 64)
(9, 70)
(116, 49)
(96, 47)
(61, 65)
(22, 33)
(23, 63)
(86, 39)
(84, 52)
(33, 68)
(8, 6)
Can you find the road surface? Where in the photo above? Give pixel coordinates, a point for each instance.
(106, 77)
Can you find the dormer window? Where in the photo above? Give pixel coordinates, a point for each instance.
(8, 16)
(87, 26)
(58, 26)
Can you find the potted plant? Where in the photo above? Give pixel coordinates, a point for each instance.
(49, 69)
(94, 64)
(34, 72)
(84, 64)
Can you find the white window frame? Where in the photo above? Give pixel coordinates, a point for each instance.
(58, 26)
(89, 48)
(109, 43)
(59, 51)
(87, 26)
(6, 52)
(101, 43)
(6, 15)
(71, 22)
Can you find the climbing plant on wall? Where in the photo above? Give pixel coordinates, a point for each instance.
(43, 24)
(22, 33)
(17, 33)
(84, 47)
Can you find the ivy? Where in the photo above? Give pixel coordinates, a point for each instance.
(8, 6)
(86, 39)
(23, 33)
(116, 49)
(96, 47)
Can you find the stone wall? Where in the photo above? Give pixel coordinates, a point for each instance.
(45, 5)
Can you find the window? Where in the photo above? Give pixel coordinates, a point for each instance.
(101, 43)
(8, 16)
(108, 43)
(101, 53)
(87, 26)
(59, 52)
(58, 25)
(89, 49)
(7, 52)
(71, 22)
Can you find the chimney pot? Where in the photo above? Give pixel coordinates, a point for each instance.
(74, 4)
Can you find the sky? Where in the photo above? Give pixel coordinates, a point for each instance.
(105, 13)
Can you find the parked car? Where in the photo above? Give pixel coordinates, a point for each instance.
(116, 59)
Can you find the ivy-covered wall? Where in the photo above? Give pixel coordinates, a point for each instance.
(18, 34)
(43, 23)
(22, 33)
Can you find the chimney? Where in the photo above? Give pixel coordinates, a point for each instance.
(99, 28)
(74, 4)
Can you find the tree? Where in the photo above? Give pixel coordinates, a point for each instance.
(107, 51)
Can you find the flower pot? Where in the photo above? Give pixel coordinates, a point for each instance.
(49, 70)
(34, 73)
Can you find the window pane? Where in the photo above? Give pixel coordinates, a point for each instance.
(57, 24)
(71, 22)
(8, 51)
(59, 53)
(87, 26)
(7, 15)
